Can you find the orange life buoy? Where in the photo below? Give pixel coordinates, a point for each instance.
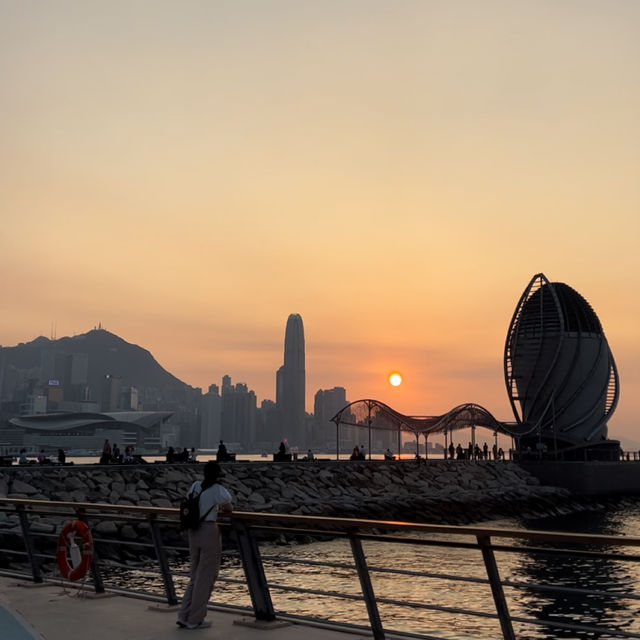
(74, 532)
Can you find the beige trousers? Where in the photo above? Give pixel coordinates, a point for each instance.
(205, 551)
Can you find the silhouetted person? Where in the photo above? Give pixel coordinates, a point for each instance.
(170, 457)
(355, 454)
(205, 548)
(62, 458)
(106, 453)
(221, 455)
(485, 451)
(452, 451)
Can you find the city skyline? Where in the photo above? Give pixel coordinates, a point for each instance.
(396, 174)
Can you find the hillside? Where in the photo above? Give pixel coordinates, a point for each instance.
(108, 354)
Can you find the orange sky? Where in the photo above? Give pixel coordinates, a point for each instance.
(190, 174)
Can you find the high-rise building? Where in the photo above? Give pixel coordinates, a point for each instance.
(111, 386)
(210, 418)
(327, 402)
(238, 414)
(290, 384)
(129, 399)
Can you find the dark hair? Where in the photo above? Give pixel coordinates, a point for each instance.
(212, 471)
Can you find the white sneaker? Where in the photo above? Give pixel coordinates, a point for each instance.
(205, 624)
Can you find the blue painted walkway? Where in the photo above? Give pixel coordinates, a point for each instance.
(13, 626)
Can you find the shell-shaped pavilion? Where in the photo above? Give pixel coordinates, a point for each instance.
(560, 373)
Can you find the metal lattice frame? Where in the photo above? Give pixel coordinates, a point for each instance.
(545, 317)
(369, 413)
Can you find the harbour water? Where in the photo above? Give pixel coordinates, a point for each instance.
(594, 573)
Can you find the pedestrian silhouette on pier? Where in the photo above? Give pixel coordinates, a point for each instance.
(205, 547)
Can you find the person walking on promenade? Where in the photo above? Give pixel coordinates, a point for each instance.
(204, 548)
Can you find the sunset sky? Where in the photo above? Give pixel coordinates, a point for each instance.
(190, 173)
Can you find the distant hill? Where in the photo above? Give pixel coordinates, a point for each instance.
(108, 354)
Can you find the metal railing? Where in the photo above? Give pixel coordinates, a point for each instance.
(246, 530)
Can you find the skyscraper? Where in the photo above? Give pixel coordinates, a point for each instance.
(290, 384)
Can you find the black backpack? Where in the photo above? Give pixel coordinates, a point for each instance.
(190, 512)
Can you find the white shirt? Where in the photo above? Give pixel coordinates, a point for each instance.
(213, 496)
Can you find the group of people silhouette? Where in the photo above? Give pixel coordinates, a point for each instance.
(180, 455)
(111, 454)
(359, 453)
(474, 452)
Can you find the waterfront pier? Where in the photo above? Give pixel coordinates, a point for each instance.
(54, 612)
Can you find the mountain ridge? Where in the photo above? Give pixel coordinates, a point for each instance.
(108, 354)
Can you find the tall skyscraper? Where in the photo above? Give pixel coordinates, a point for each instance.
(290, 384)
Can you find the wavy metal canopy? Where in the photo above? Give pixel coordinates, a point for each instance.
(377, 415)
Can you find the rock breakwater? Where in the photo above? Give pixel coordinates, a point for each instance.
(454, 492)
(440, 492)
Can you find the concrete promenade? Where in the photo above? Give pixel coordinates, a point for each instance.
(52, 612)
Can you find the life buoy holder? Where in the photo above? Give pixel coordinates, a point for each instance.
(76, 537)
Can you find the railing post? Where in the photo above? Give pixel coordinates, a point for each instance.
(484, 542)
(169, 589)
(254, 573)
(367, 587)
(96, 576)
(28, 544)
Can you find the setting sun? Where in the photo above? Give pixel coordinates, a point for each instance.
(395, 379)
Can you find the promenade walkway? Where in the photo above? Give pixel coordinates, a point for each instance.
(51, 612)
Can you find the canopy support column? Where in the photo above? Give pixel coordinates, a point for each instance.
(369, 423)
(473, 441)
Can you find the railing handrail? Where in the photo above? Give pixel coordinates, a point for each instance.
(344, 524)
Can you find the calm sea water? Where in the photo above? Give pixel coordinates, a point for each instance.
(600, 573)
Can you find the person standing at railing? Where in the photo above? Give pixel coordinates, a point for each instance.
(205, 547)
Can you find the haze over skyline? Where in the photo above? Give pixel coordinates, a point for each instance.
(190, 175)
